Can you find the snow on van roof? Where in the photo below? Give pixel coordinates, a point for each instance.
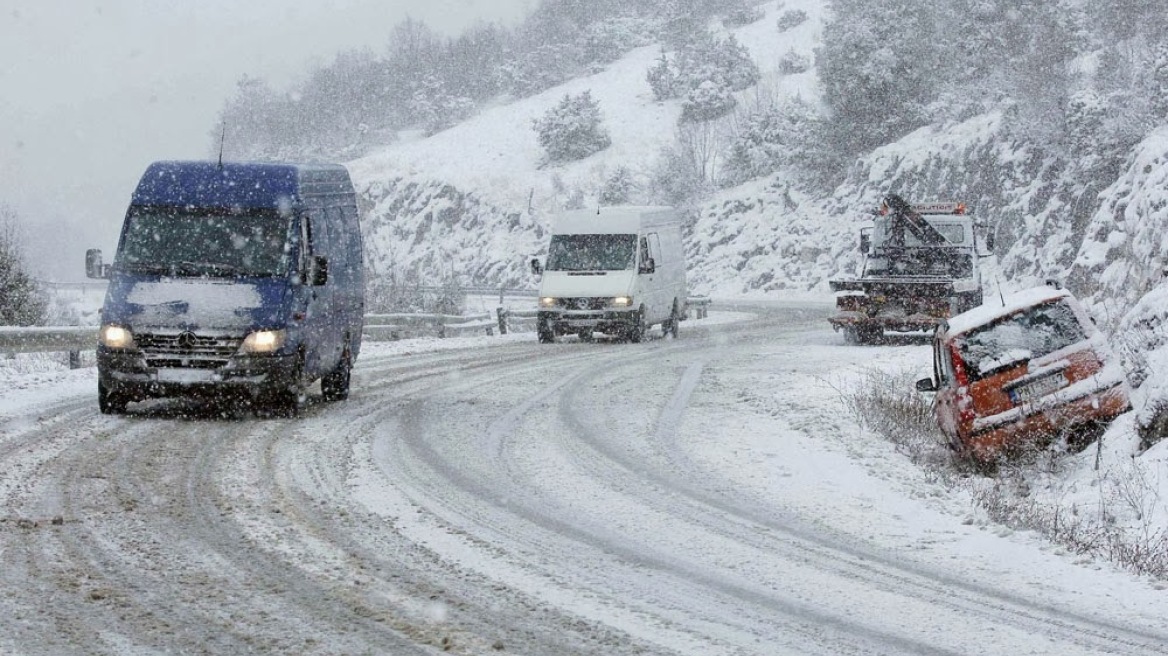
(983, 314)
(623, 219)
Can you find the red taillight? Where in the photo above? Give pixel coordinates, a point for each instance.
(958, 367)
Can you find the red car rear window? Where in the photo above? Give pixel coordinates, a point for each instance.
(1020, 337)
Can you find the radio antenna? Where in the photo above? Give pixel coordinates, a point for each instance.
(222, 140)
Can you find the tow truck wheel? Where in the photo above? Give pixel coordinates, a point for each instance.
(546, 334)
(110, 403)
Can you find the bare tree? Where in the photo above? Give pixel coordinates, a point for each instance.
(21, 301)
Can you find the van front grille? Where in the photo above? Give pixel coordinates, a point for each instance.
(584, 303)
(186, 349)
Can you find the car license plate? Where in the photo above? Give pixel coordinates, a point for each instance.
(185, 375)
(1037, 388)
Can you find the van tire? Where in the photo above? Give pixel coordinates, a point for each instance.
(636, 329)
(110, 403)
(335, 384)
(669, 328)
(288, 400)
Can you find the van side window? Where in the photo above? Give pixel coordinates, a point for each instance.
(305, 243)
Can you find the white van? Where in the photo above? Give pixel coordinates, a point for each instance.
(614, 270)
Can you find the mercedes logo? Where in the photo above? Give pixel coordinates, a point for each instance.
(186, 341)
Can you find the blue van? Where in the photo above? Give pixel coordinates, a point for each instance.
(233, 280)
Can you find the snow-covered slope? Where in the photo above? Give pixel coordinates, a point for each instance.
(475, 196)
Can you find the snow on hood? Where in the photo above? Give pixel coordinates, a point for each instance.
(173, 302)
(601, 283)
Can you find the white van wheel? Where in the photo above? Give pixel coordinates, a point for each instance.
(669, 327)
(636, 328)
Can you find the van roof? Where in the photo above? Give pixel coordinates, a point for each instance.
(618, 219)
(247, 185)
(988, 313)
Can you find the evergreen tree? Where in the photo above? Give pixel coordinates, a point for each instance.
(879, 70)
(572, 129)
(618, 187)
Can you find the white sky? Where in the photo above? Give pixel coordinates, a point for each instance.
(92, 92)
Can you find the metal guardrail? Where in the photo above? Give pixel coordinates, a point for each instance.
(378, 327)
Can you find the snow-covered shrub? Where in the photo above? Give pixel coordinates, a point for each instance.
(743, 12)
(770, 137)
(663, 78)
(1159, 93)
(618, 187)
(704, 59)
(541, 68)
(709, 100)
(572, 129)
(435, 108)
(685, 169)
(791, 18)
(889, 405)
(793, 63)
(605, 41)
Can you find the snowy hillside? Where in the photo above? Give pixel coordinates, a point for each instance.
(475, 198)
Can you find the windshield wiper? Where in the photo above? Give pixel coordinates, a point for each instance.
(206, 268)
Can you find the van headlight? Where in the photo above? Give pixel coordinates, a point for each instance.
(622, 301)
(115, 337)
(547, 301)
(263, 341)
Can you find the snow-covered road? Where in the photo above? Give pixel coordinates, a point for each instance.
(707, 495)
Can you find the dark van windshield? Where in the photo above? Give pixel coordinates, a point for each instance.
(591, 252)
(185, 242)
(1032, 333)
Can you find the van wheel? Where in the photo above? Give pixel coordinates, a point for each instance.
(670, 327)
(110, 403)
(636, 329)
(335, 384)
(288, 400)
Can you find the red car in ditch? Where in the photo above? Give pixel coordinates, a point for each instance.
(1023, 374)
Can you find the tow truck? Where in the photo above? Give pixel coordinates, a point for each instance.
(920, 267)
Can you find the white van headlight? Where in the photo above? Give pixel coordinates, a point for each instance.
(547, 301)
(115, 337)
(263, 341)
(622, 301)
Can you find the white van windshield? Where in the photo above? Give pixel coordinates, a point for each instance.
(592, 252)
(218, 244)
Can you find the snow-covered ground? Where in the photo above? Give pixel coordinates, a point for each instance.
(703, 495)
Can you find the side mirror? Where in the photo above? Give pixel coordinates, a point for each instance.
(319, 270)
(990, 242)
(648, 266)
(93, 265)
(926, 385)
(865, 243)
(536, 267)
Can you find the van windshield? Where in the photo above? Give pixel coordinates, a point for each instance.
(201, 243)
(1032, 333)
(592, 252)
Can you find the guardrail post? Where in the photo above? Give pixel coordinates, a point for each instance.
(441, 329)
(501, 312)
(74, 359)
